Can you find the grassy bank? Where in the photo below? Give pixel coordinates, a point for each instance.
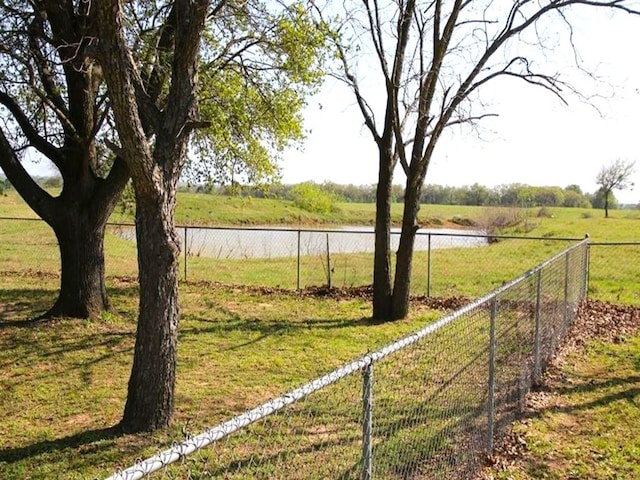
(216, 210)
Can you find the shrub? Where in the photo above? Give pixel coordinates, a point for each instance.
(310, 197)
(544, 212)
(497, 219)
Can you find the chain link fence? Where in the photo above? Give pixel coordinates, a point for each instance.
(299, 258)
(446, 263)
(421, 407)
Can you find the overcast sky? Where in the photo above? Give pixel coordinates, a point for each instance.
(536, 139)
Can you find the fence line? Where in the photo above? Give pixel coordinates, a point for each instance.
(304, 243)
(296, 258)
(526, 318)
(437, 272)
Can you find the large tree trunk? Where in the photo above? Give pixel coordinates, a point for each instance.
(78, 218)
(150, 398)
(83, 293)
(382, 255)
(155, 170)
(404, 260)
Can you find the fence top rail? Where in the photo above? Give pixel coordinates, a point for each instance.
(432, 231)
(611, 244)
(221, 430)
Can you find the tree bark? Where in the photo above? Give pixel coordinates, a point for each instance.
(83, 293)
(150, 399)
(404, 260)
(382, 256)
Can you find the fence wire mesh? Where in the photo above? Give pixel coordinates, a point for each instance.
(426, 406)
(446, 263)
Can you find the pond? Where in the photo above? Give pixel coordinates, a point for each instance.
(233, 242)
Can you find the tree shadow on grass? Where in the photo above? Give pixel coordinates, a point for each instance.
(265, 328)
(12, 455)
(629, 393)
(26, 307)
(18, 306)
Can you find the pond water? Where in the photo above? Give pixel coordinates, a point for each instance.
(285, 242)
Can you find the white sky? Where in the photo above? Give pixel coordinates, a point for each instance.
(536, 139)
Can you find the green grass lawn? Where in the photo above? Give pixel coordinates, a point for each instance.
(63, 383)
(583, 423)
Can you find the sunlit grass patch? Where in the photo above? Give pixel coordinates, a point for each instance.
(588, 427)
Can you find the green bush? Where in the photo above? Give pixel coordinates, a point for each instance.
(312, 198)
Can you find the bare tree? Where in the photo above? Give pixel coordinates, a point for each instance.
(615, 176)
(431, 60)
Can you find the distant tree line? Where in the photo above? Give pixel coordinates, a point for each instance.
(511, 195)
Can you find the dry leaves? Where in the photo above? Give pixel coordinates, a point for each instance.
(595, 320)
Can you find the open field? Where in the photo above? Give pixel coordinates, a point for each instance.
(64, 382)
(459, 271)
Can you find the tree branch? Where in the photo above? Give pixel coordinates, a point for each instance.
(37, 198)
(32, 135)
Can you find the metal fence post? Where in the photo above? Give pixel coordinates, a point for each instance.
(186, 248)
(536, 345)
(585, 268)
(298, 268)
(328, 264)
(428, 264)
(565, 315)
(492, 374)
(367, 422)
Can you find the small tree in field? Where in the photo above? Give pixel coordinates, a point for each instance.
(616, 176)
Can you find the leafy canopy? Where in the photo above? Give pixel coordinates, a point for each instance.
(260, 61)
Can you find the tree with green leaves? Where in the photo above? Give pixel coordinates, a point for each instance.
(54, 105)
(256, 96)
(417, 69)
(160, 103)
(615, 176)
